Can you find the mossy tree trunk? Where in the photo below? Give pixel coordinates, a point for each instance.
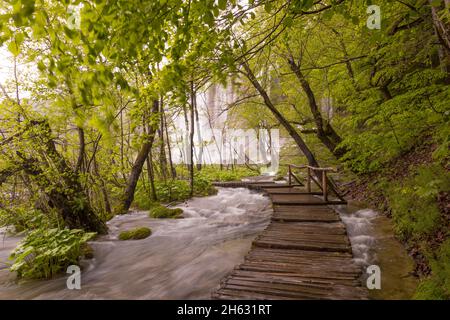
(59, 182)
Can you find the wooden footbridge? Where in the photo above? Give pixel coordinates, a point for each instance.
(304, 253)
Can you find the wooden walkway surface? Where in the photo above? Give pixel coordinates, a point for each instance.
(304, 253)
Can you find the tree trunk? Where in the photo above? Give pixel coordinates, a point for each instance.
(199, 138)
(191, 140)
(186, 137)
(169, 149)
(82, 152)
(290, 129)
(443, 30)
(136, 170)
(103, 188)
(162, 150)
(66, 194)
(325, 132)
(151, 176)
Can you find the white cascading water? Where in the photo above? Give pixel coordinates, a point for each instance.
(182, 259)
(360, 231)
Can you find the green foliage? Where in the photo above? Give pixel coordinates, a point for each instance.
(159, 211)
(46, 252)
(414, 202)
(173, 190)
(437, 286)
(203, 186)
(215, 174)
(429, 289)
(24, 218)
(442, 138)
(135, 234)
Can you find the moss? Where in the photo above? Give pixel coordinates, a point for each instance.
(162, 212)
(135, 234)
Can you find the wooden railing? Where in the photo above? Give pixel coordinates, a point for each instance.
(317, 175)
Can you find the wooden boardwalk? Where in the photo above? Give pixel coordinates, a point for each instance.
(304, 253)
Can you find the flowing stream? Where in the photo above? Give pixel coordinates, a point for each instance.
(373, 243)
(182, 259)
(187, 258)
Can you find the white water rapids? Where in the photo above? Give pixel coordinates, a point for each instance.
(187, 258)
(182, 259)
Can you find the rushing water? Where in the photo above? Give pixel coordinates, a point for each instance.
(187, 258)
(182, 259)
(373, 243)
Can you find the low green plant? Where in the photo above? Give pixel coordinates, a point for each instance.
(160, 212)
(215, 174)
(414, 202)
(437, 286)
(25, 218)
(173, 190)
(46, 252)
(135, 234)
(203, 186)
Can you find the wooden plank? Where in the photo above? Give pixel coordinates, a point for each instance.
(304, 217)
(301, 199)
(304, 253)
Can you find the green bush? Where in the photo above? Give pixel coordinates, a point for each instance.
(429, 289)
(215, 174)
(203, 186)
(437, 286)
(135, 234)
(173, 190)
(414, 202)
(160, 212)
(24, 218)
(46, 252)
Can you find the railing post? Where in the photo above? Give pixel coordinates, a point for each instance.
(324, 186)
(308, 181)
(290, 175)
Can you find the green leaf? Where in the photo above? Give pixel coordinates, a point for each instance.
(222, 4)
(14, 48)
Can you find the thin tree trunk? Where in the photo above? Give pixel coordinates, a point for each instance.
(325, 132)
(162, 150)
(103, 188)
(136, 170)
(441, 28)
(151, 176)
(186, 137)
(82, 151)
(199, 138)
(290, 129)
(191, 140)
(169, 148)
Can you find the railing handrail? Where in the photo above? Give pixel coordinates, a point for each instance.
(304, 166)
(322, 181)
